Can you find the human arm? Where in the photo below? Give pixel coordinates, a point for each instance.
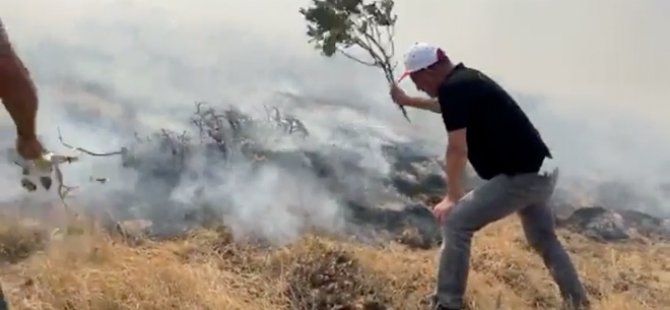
(19, 98)
(462, 99)
(428, 104)
(458, 100)
(19, 95)
(456, 160)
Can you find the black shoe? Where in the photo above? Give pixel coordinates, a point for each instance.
(435, 304)
(3, 302)
(441, 307)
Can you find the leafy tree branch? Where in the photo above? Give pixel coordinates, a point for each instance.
(335, 26)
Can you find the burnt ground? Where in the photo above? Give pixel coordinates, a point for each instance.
(205, 269)
(393, 204)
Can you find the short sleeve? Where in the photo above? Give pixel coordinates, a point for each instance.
(4, 39)
(3, 34)
(456, 101)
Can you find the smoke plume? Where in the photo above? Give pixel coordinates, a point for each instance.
(109, 69)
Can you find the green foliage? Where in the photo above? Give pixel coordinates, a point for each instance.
(337, 25)
(346, 23)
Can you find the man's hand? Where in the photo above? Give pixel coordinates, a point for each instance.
(398, 95)
(29, 147)
(443, 208)
(402, 99)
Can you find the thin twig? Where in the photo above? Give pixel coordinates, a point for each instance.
(63, 190)
(60, 138)
(345, 54)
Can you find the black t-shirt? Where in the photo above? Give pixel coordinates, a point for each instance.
(4, 40)
(500, 137)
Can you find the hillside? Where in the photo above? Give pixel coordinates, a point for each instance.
(89, 269)
(296, 183)
(361, 235)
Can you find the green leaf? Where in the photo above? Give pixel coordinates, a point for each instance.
(338, 24)
(329, 46)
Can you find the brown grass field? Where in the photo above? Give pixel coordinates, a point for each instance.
(85, 268)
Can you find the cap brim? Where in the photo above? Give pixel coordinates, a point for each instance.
(404, 75)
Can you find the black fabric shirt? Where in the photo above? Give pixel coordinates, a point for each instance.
(500, 137)
(4, 40)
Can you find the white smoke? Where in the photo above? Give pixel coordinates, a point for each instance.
(106, 69)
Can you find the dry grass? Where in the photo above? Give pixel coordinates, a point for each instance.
(206, 270)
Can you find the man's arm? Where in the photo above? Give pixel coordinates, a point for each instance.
(427, 104)
(399, 96)
(456, 159)
(458, 99)
(17, 90)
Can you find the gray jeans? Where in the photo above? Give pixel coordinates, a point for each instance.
(525, 194)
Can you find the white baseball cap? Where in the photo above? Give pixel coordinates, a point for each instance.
(421, 55)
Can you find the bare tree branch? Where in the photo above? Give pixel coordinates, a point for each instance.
(60, 138)
(63, 190)
(345, 54)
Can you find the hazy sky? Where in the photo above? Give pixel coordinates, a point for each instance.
(611, 52)
(570, 60)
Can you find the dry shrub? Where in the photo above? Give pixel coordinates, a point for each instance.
(20, 239)
(93, 272)
(324, 276)
(209, 270)
(414, 239)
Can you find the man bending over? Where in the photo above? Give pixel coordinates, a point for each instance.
(487, 127)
